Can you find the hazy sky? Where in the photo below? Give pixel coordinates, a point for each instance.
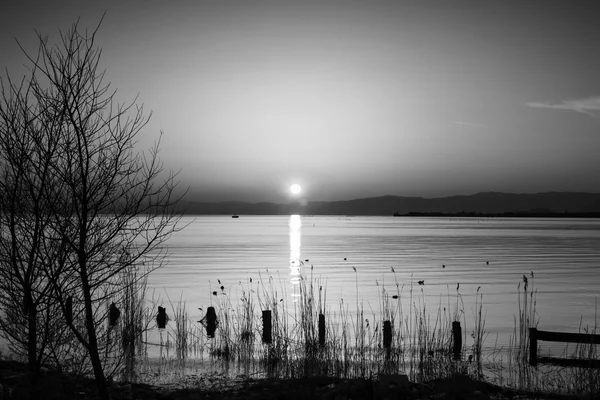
(350, 98)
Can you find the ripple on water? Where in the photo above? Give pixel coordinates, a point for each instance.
(492, 254)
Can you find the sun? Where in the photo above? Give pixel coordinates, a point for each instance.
(295, 188)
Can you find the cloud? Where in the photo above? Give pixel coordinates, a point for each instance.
(589, 106)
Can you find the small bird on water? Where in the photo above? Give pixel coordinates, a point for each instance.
(421, 282)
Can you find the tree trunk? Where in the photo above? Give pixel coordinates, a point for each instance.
(34, 367)
(99, 373)
(32, 337)
(93, 340)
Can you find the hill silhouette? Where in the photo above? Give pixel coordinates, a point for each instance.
(487, 203)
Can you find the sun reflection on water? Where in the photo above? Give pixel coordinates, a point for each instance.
(295, 225)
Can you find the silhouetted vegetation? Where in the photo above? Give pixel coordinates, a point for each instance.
(420, 358)
(82, 211)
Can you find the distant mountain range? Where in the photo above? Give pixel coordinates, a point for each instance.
(488, 203)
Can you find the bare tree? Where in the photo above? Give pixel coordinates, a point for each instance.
(27, 148)
(108, 208)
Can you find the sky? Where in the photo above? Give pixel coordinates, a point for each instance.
(349, 99)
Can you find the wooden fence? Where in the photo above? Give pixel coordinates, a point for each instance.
(536, 335)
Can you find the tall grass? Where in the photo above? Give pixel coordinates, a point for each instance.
(132, 319)
(353, 347)
(421, 347)
(544, 378)
(518, 369)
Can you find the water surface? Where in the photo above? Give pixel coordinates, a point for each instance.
(359, 256)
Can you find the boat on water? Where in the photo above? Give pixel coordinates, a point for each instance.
(235, 216)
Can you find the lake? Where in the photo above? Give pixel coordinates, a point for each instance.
(356, 257)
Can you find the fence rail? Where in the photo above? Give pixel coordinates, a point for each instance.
(536, 335)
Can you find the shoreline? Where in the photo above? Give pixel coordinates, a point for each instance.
(501, 215)
(14, 383)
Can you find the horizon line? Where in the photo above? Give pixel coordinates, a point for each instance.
(392, 195)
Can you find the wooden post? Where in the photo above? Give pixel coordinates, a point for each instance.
(266, 335)
(113, 314)
(387, 334)
(533, 338)
(457, 334)
(161, 318)
(321, 330)
(211, 322)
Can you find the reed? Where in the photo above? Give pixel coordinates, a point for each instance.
(513, 370)
(479, 333)
(132, 316)
(179, 334)
(421, 345)
(520, 375)
(354, 346)
(354, 343)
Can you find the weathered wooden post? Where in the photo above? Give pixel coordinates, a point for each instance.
(211, 322)
(321, 330)
(387, 334)
(113, 315)
(266, 335)
(457, 334)
(161, 318)
(533, 347)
